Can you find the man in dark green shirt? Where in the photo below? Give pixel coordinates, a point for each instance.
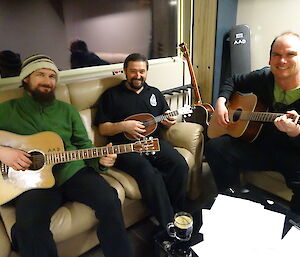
(39, 111)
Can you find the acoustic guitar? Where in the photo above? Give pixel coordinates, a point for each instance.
(246, 118)
(203, 111)
(46, 150)
(150, 122)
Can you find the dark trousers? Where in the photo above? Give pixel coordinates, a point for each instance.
(162, 179)
(34, 209)
(228, 156)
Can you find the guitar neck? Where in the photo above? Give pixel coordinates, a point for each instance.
(198, 99)
(184, 49)
(264, 116)
(165, 116)
(82, 154)
(160, 118)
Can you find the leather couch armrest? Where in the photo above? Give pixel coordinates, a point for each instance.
(5, 245)
(187, 135)
(129, 183)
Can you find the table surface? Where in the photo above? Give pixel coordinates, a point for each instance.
(166, 246)
(270, 202)
(170, 247)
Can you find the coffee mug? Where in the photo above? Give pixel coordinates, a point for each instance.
(182, 226)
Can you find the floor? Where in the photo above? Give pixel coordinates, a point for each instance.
(141, 234)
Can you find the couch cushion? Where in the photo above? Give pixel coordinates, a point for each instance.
(184, 135)
(84, 95)
(11, 94)
(187, 155)
(187, 137)
(190, 160)
(130, 185)
(61, 93)
(5, 245)
(270, 181)
(87, 117)
(69, 220)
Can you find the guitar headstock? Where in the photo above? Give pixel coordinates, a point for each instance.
(184, 50)
(147, 145)
(186, 109)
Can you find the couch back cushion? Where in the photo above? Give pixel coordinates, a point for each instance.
(84, 95)
(61, 93)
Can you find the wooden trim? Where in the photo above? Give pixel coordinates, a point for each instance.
(205, 14)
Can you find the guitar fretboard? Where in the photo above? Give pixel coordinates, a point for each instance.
(264, 116)
(90, 153)
(160, 118)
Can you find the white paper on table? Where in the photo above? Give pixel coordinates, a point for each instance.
(235, 225)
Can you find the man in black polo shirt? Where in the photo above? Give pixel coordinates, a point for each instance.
(162, 178)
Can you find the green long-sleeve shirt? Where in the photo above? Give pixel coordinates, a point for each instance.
(24, 116)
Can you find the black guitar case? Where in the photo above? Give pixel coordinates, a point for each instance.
(240, 49)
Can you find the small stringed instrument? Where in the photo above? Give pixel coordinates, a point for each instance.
(246, 118)
(150, 122)
(202, 110)
(46, 150)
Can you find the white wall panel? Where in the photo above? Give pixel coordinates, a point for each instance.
(267, 19)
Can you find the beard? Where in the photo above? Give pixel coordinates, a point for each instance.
(44, 98)
(138, 86)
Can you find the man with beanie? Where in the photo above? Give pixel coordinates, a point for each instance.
(38, 111)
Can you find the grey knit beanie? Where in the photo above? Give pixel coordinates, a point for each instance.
(36, 62)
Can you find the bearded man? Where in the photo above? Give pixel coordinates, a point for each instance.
(162, 178)
(39, 111)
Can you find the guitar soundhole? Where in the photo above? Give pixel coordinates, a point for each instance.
(37, 159)
(237, 115)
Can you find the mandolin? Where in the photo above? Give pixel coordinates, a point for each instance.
(150, 122)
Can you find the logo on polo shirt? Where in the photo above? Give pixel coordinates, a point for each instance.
(153, 101)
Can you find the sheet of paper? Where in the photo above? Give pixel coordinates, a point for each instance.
(235, 225)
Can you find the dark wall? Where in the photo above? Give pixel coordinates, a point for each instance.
(226, 19)
(33, 26)
(109, 26)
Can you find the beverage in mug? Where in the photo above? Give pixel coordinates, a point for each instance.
(182, 226)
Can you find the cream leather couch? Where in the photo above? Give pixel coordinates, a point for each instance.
(73, 225)
(269, 181)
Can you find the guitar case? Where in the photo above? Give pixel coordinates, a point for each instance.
(240, 56)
